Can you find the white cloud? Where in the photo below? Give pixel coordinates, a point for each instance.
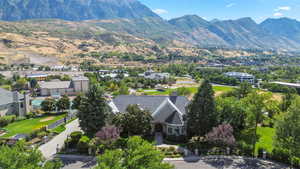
(277, 14)
(230, 5)
(160, 11)
(283, 8)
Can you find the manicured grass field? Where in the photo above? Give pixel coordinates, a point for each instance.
(29, 125)
(192, 89)
(266, 138)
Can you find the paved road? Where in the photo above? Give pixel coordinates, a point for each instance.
(212, 162)
(49, 149)
(221, 162)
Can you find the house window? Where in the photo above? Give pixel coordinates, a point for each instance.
(170, 130)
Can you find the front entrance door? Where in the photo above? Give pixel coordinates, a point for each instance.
(158, 128)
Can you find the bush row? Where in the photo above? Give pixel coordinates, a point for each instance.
(5, 120)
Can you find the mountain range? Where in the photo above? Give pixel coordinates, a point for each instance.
(133, 18)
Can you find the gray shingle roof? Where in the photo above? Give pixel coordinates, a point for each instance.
(174, 118)
(55, 85)
(6, 97)
(150, 103)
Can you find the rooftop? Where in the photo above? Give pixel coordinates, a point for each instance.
(6, 97)
(55, 85)
(80, 78)
(150, 103)
(238, 74)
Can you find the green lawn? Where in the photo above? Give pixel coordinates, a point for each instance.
(265, 141)
(29, 125)
(192, 89)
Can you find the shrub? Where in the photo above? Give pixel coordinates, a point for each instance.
(83, 145)
(295, 162)
(35, 133)
(245, 149)
(280, 155)
(5, 120)
(75, 137)
(42, 134)
(120, 143)
(260, 152)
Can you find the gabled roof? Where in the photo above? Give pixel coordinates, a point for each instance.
(174, 118)
(6, 97)
(150, 103)
(166, 112)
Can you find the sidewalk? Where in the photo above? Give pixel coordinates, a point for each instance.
(49, 149)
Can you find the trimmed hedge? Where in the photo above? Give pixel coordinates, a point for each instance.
(83, 145)
(5, 120)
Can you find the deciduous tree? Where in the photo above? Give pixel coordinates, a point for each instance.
(139, 154)
(134, 121)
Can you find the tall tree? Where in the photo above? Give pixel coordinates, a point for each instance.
(139, 154)
(134, 122)
(287, 101)
(63, 103)
(288, 130)
(244, 89)
(48, 105)
(93, 111)
(256, 103)
(77, 101)
(201, 117)
(19, 157)
(231, 111)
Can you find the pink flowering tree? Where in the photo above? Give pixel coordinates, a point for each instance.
(221, 135)
(108, 134)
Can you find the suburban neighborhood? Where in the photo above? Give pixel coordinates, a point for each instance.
(149, 84)
(189, 121)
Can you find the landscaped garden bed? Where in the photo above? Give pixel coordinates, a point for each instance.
(171, 152)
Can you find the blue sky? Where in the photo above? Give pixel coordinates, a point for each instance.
(226, 9)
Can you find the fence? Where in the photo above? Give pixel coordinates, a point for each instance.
(62, 121)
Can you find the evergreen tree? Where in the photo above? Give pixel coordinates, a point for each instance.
(201, 117)
(93, 111)
(77, 101)
(63, 103)
(48, 105)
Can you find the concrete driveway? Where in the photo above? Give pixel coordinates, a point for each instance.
(49, 149)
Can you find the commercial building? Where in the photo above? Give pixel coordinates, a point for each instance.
(242, 77)
(57, 88)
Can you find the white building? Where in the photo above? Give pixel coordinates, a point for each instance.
(58, 88)
(14, 103)
(242, 77)
(155, 76)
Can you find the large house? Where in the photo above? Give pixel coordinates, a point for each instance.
(58, 88)
(242, 77)
(14, 103)
(167, 111)
(154, 75)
